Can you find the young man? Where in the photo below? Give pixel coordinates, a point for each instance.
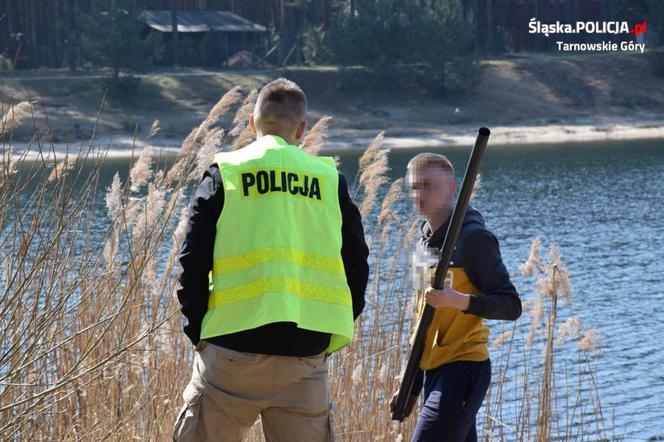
(455, 363)
(285, 245)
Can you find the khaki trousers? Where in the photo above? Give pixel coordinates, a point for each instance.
(229, 390)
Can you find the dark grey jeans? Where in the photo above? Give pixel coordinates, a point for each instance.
(453, 393)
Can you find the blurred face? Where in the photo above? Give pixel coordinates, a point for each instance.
(432, 190)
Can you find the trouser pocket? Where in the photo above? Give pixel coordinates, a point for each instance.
(186, 424)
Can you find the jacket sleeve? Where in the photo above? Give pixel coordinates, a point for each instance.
(484, 266)
(197, 251)
(354, 250)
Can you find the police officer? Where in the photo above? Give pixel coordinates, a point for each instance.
(285, 246)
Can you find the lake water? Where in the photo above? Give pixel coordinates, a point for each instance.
(602, 204)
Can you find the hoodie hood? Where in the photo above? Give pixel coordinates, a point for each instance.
(429, 238)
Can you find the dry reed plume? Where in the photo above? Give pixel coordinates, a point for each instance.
(315, 138)
(14, 116)
(61, 168)
(154, 129)
(240, 126)
(92, 346)
(548, 409)
(372, 174)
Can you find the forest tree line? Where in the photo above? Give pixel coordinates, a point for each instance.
(442, 37)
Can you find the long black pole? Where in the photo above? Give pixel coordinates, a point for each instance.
(453, 229)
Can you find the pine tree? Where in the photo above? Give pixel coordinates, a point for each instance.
(111, 36)
(448, 45)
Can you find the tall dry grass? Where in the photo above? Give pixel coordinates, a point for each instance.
(91, 346)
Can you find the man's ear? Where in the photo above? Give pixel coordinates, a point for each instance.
(300, 129)
(451, 185)
(252, 123)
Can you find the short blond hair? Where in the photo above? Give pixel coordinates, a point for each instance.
(283, 100)
(429, 159)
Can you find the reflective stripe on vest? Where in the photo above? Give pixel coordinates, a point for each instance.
(277, 254)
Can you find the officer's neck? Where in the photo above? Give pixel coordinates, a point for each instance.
(290, 139)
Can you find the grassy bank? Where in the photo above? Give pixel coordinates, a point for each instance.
(92, 346)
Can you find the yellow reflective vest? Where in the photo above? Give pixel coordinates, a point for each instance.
(277, 251)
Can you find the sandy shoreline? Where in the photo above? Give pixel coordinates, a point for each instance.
(344, 140)
(356, 140)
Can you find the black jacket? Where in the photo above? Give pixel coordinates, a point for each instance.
(477, 251)
(281, 338)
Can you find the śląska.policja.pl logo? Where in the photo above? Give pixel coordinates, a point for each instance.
(592, 27)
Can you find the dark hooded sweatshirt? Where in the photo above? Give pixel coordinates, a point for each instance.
(477, 251)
